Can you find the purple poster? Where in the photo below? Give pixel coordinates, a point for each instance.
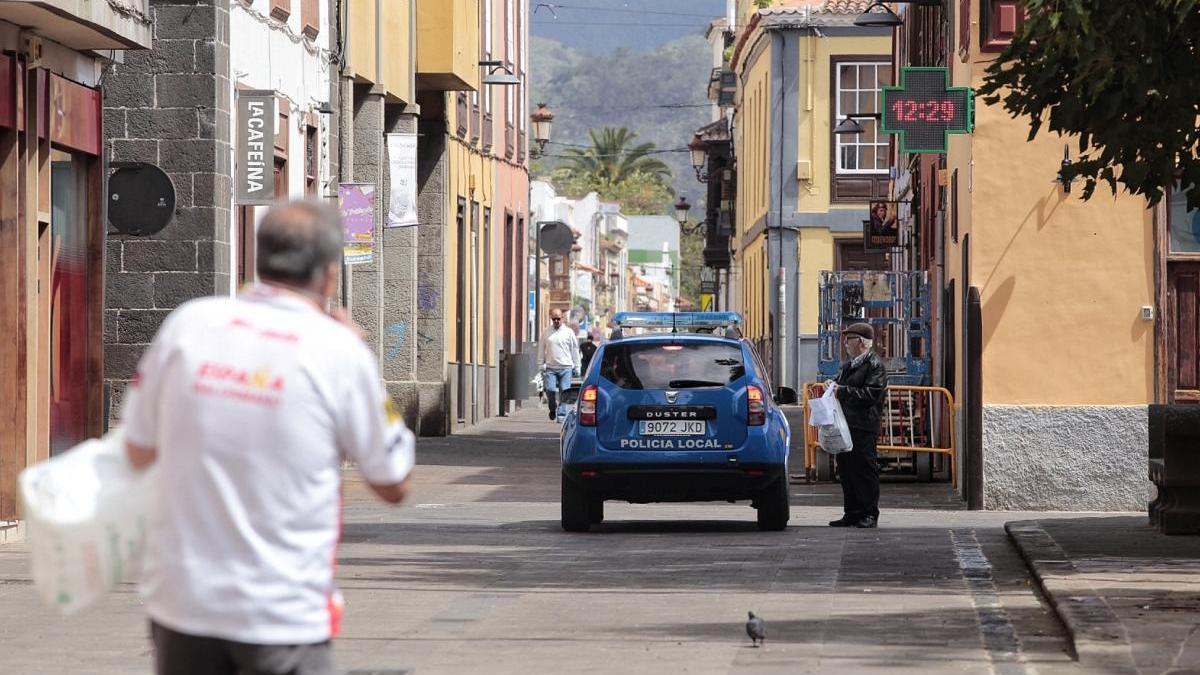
(356, 201)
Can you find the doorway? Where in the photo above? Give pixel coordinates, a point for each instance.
(66, 268)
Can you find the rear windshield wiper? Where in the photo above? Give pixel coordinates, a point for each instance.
(682, 384)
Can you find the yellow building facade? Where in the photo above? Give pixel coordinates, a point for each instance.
(1046, 306)
(802, 192)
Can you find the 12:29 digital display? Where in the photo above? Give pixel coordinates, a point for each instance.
(924, 111)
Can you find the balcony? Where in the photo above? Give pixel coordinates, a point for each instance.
(84, 24)
(448, 45)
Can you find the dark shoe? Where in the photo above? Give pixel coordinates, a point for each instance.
(842, 522)
(867, 522)
(553, 414)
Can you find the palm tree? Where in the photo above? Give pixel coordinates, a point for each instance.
(611, 160)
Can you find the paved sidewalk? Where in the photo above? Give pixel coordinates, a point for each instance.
(1128, 596)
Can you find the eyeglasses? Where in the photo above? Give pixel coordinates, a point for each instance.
(555, 319)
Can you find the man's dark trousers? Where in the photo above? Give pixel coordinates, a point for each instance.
(858, 471)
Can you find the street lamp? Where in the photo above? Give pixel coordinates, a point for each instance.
(542, 120)
(849, 125)
(699, 150)
(681, 210)
(681, 214)
(884, 18)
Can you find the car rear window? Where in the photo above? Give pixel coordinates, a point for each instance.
(687, 365)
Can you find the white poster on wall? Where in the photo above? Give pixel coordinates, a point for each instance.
(402, 167)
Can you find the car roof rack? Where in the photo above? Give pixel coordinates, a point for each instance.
(729, 323)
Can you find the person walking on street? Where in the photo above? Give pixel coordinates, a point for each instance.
(558, 354)
(861, 389)
(588, 350)
(249, 406)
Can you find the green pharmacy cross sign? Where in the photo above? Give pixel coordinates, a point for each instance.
(924, 110)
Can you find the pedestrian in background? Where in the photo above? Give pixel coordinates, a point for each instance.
(588, 350)
(558, 354)
(249, 407)
(861, 388)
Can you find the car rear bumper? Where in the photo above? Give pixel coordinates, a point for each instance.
(674, 482)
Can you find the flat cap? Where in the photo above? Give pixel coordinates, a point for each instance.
(862, 330)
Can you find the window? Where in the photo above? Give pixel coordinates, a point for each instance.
(1184, 225)
(655, 365)
(310, 160)
(857, 92)
(310, 18)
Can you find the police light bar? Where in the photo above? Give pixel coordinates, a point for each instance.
(677, 320)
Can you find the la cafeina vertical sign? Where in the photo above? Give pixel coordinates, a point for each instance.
(255, 147)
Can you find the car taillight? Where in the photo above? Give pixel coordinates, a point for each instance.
(756, 408)
(587, 405)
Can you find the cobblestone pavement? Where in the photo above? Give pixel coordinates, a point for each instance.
(475, 576)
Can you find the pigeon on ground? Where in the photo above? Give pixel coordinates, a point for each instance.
(756, 628)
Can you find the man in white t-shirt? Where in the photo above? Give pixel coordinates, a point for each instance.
(558, 354)
(249, 406)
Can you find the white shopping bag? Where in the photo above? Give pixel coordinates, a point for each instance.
(834, 438)
(821, 409)
(85, 518)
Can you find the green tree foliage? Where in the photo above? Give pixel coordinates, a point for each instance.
(612, 158)
(691, 261)
(619, 169)
(1121, 75)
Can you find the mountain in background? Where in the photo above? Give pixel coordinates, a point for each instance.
(603, 26)
(660, 94)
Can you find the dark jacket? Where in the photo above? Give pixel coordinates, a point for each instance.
(862, 392)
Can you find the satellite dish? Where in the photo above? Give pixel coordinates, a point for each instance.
(141, 199)
(556, 238)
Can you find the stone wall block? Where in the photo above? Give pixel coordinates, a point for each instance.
(113, 249)
(188, 156)
(121, 360)
(190, 20)
(114, 123)
(128, 291)
(183, 192)
(139, 326)
(211, 188)
(173, 56)
(134, 151)
(160, 256)
(190, 224)
(185, 90)
(129, 90)
(110, 325)
(162, 123)
(172, 289)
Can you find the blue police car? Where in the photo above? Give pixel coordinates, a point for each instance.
(682, 412)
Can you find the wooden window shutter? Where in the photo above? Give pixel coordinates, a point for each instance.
(281, 9)
(310, 18)
(1001, 19)
(964, 29)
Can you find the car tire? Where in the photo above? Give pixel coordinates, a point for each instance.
(596, 510)
(773, 506)
(576, 511)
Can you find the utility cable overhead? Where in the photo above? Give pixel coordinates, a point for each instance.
(631, 22)
(554, 6)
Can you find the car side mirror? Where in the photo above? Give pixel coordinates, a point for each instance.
(785, 396)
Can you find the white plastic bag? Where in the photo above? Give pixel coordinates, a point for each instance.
(85, 517)
(835, 438)
(821, 410)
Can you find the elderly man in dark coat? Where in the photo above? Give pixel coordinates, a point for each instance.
(861, 388)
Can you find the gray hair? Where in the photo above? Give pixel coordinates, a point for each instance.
(296, 240)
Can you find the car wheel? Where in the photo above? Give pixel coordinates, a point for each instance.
(773, 507)
(596, 510)
(576, 514)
